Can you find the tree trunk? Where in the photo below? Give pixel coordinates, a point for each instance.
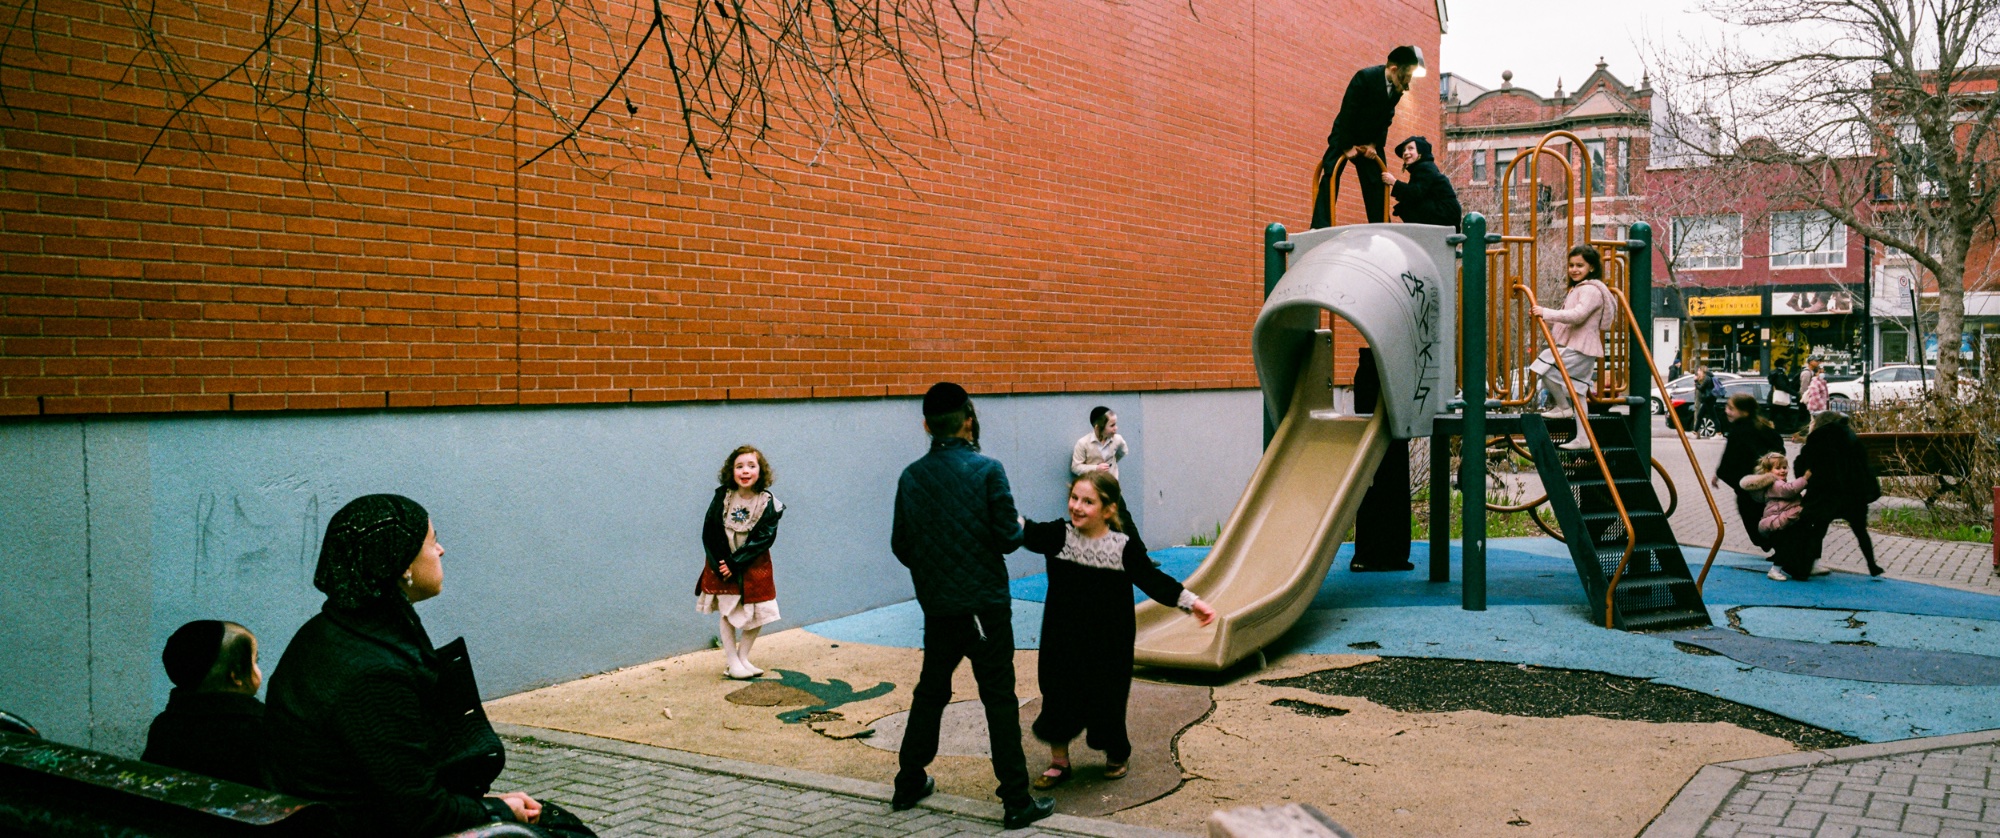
(1950, 322)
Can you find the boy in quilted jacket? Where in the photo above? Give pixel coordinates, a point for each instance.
(954, 524)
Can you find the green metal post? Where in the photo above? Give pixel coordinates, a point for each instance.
(1440, 507)
(1472, 446)
(1639, 250)
(1275, 250)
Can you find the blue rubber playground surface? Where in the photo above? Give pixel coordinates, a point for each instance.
(1878, 659)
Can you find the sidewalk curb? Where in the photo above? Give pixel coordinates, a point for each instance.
(948, 804)
(1696, 803)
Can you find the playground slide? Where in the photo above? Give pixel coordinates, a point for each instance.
(1267, 564)
(1390, 283)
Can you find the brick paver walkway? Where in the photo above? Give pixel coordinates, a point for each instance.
(621, 789)
(1937, 787)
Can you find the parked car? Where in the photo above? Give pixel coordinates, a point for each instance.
(1788, 419)
(1683, 388)
(1894, 382)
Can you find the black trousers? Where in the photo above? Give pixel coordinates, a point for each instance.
(1370, 176)
(1751, 510)
(986, 639)
(1382, 524)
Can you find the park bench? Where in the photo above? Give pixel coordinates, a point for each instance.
(1943, 456)
(49, 788)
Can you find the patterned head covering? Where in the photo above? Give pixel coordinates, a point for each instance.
(368, 545)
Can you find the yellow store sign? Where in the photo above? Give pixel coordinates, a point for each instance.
(1748, 306)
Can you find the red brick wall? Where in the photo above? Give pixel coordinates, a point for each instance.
(1099, 230)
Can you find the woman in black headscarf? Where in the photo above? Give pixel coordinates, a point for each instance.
(1839, 484)
(365, 714)
(1428, 197)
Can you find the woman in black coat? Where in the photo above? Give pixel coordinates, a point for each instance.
(1750, 437)
(1839, 484)
(364, 714)
(1428, 197)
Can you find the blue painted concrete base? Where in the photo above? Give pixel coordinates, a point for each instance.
(1536, 615)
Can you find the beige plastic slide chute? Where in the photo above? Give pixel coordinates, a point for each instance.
(1395, 284)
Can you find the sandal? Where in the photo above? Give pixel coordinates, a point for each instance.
(1116, 770)
(1055, 776)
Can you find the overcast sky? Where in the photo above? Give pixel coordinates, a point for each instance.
(1543, 40)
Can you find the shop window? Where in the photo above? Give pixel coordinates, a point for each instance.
(1807, 240)
(1708, 242)
(1893, 346)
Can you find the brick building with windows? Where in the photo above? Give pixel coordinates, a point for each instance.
(1485, 129)
(1762, 284)
(1739, 284)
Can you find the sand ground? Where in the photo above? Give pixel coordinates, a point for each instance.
(1377, 771)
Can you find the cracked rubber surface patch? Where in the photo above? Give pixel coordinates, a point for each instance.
(1442, 685)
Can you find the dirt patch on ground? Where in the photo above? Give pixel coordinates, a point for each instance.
(1376, 769)
(1429, 685)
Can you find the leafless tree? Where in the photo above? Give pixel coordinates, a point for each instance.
(1809, 85)
(733, 78)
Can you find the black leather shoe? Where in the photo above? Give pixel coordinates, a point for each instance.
(1371, 567)
(899, 802)
(1037, 809)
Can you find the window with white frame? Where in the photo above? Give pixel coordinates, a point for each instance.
(1708, 242)
(1807, 240)
(1916, 175)
(1625, 165)
(1501, 159)
(1479, 166)
(1597, 172)
(1912, 229)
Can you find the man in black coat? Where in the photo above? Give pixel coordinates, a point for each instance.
(1428, 197)
(1362, 128)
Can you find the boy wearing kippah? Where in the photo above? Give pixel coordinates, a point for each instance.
(213, 724)
(954, 525)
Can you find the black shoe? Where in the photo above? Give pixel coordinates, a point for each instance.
(1037, 809)
(1371, 567)
(898, 803)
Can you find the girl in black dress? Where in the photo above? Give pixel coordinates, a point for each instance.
(1087, 624)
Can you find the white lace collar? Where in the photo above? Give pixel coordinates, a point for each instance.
(1105, 552)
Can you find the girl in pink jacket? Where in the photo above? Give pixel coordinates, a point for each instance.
(1782, 498)
(1578, 328)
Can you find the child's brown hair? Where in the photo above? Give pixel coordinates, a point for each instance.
(765, 477)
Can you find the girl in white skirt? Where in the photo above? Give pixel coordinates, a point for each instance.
(736, 580)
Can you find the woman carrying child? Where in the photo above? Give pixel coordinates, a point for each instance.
(1578, 328)
(736, 535)
(1088, 626)
(1779, 522)
(1843, 484)
(1750, 437)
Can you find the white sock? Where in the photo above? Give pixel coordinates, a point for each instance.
(728, 635)
(743, 648)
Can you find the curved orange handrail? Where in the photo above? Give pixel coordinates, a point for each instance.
(1693, 462)
(1333, 190)
(1581, 406)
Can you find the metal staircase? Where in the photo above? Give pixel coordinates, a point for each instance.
(1654, 589)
